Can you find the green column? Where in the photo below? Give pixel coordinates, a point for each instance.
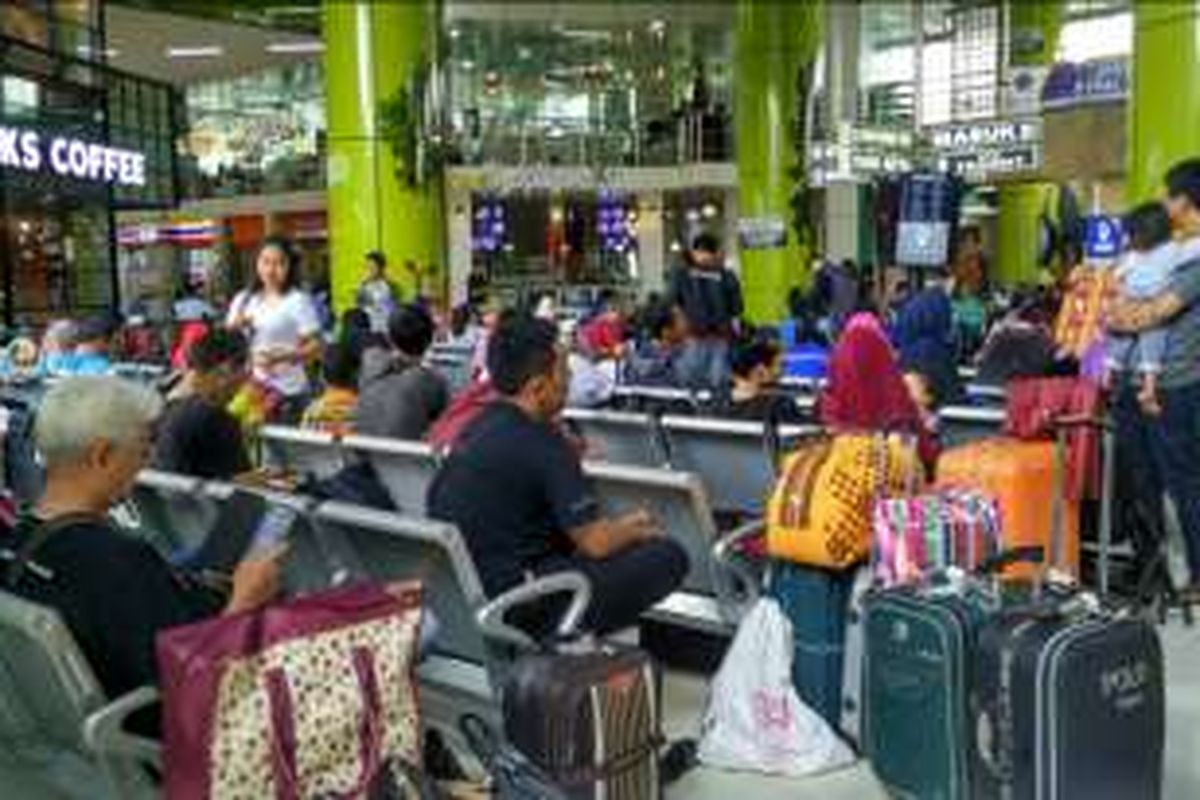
(1035, 33)
(1164, 101)
(375, 52)
(774, 40)
(1019, 232)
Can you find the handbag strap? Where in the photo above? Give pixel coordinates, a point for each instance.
(283, 732)
(38, 537)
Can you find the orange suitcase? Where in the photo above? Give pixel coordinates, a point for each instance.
(1021, 476)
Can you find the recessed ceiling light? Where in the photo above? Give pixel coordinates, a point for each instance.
(206, 51)
(454, 32)
(524, 53)
(658, 26)
(296, 48)
(468, 65)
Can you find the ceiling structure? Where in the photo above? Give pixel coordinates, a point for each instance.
(141, 42)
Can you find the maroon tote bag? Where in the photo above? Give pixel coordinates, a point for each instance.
(310, 698)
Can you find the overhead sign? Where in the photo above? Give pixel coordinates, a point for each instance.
(1101, 81)
(29, 150)
(1102, 237)
(977, 149)
(762, 233)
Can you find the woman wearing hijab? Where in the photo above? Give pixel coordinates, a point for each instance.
(866, 390)
(924, 336)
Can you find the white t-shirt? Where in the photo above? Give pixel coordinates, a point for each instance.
(278, 326)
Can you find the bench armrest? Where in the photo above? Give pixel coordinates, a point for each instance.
(491, 617)
(105, 734)
(737, 585)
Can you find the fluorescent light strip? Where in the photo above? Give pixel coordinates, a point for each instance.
(207, 51)
(296, 48)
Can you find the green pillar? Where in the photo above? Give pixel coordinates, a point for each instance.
(1019, 231)
(1164, 101)
(375, 53)
(1035, 34)
(774, 41)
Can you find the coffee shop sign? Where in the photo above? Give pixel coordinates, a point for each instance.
(24, 149)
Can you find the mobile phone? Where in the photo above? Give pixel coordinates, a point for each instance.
(272, 529)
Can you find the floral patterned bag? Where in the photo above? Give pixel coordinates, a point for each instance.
(311, 698)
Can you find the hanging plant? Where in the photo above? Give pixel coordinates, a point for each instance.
(419, 158)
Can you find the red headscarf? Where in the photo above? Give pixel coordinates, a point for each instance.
(865, 389)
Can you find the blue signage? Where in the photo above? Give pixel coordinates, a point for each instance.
(1102, 237)
(1100, 81)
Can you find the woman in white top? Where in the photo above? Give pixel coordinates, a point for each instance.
(282, 324)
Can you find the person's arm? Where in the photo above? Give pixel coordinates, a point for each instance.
(733, 288)
(576, 509)
(1134, 316)
(609, 536)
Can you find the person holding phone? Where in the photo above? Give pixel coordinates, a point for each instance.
(282, 324)
(114, 592)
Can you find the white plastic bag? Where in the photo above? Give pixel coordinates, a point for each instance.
(755, 720)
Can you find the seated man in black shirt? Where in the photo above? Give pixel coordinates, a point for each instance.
(756, 367)
(197, 435)
(114, 592)
(515, 488)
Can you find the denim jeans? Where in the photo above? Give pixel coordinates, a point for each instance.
(1164, 453)
(704, 363)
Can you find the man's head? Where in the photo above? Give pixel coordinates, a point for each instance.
(1183, 193)
(94, 434)
(706, 251)
(376, 265)
(339, 365)
(527, 364)
(1148, 225)
(411, 330)
(667, 323)
(217, 365)
(93, 335)
(756, 363)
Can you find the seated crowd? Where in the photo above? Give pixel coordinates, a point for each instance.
(512, 480)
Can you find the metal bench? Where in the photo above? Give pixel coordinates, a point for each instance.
(304, 452)
(964, 424)
(406, 469)
(473, 642)
(730, 456)
(679, 502)
(56, 724)
(620, 437)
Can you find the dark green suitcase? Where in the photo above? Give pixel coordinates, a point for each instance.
(917, 655)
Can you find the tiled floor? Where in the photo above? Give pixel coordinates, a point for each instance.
(685, 699)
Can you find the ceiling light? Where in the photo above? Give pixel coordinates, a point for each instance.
(86, 51)
(658, 26)
(313, 46)
(524, 53)
(454, 32)
(467, 65)
(206, 51)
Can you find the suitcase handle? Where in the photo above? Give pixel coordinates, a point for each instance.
(1027, 554)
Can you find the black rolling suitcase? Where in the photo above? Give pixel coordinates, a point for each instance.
(1067, 698)
(589, 719)
(1068, 704)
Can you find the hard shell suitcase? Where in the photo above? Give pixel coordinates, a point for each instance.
(815, 601)
(1023, 478)
(590, 720)
(1068, 705)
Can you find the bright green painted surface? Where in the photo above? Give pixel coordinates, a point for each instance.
(1033, 22)
(371, 50)
(1018, 231)
(1164, 116)
(773, 40)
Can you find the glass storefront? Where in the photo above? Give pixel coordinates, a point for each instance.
(77, 142)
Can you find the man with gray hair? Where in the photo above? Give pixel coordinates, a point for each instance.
(114, 592)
